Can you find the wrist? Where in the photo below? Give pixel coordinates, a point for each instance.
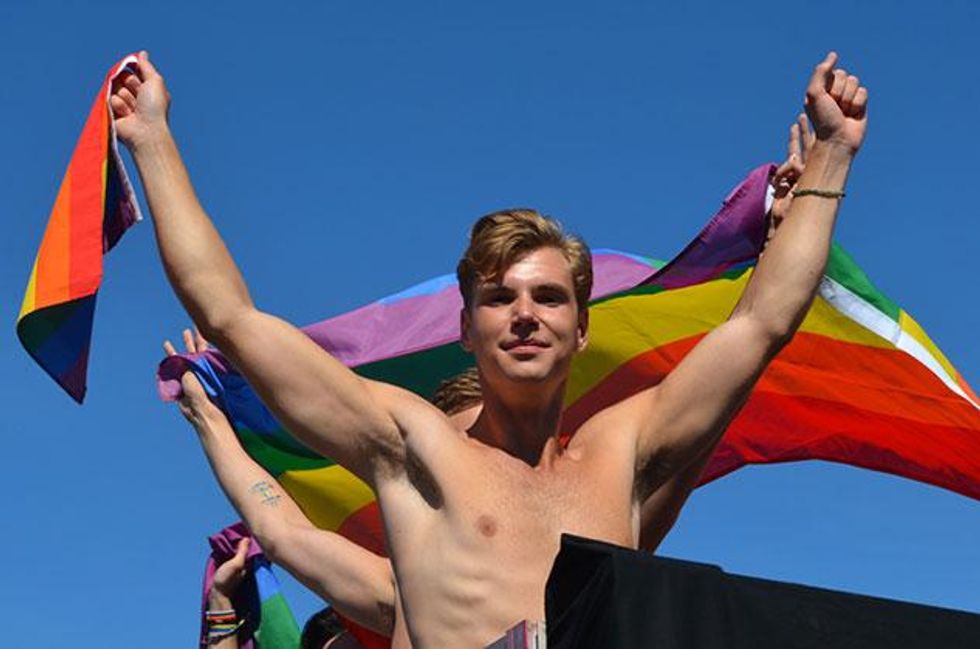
(218, 601)
(152, 139)
(834, 149)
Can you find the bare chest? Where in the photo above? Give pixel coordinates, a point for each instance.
(502, 500)
(492, 528)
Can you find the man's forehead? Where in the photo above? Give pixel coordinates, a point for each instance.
(544, 266)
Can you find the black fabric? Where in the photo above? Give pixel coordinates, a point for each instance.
(601, 595)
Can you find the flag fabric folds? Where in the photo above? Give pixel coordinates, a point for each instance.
(861, 383)
(95, 205)
(269, 622)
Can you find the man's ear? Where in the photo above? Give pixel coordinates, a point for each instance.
(464, 330)
(583, 329)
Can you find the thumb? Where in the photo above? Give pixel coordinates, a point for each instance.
(146, 69)
(240, 554)
(191, 386)
(823, 75)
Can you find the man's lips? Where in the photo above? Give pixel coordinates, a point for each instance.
(524, 345)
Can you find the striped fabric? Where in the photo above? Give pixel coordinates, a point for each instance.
(94, 206)
(269, 622)
(861, 383)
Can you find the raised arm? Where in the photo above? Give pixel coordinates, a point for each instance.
(691, 408)
(318, 399)
(357, 582)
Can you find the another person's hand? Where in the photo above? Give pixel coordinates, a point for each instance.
(836, 104)
(139, 103)
(228, 577)
(194, 403)
(801, 138)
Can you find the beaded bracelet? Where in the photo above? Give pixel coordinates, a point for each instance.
(222, 624)
(822, 193)
(218, 632)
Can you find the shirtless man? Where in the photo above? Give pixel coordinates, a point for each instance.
(473, 521)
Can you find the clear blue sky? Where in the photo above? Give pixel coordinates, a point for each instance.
(343, 148)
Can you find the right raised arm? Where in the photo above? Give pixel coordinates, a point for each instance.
(359, 583)
(318, 399)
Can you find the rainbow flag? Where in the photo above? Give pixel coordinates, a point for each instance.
(94, 207)
(861, 383)
(269, 622)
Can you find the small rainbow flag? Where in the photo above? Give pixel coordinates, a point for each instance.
(95, 206)
(861, 383)
(269, 622)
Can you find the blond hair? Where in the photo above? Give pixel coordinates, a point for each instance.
(499, 239)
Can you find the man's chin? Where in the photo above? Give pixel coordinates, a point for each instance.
(529, 372)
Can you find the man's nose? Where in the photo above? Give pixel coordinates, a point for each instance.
(524, 317)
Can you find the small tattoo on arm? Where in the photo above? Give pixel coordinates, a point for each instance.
(266, 492)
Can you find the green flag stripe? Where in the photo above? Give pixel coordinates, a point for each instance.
(420, 372)
(276, 459)
(842, 269)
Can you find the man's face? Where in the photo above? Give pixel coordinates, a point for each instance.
(527, 327)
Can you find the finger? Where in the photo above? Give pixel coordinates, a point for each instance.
(123, 79)
(838, 85)
(803, 128)
(189, 341)
(822, 74)
(191, 386)
(780, 183)
(169, 348)
(847, 97)
(859, 105)
(793, 147)
(240, 553)
(132, 83)
(807, 134)
(805, 131)
(119, 107)
(850, 90)
(202, 343)
(128, 97)
(144, 67)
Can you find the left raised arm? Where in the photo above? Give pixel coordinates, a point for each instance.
(690, 409)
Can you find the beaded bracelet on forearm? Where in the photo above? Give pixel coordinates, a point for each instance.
(822, 193)
(222, 624)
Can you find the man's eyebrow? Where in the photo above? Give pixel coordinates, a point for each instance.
(492, 286)
(550, 286)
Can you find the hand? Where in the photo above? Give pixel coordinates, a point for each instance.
(139, 103)
(228, 577)
(194, 403)
(837, 105)
(801, 139)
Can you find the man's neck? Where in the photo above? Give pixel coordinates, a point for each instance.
(523, 425)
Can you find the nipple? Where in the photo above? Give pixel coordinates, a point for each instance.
(486, 525)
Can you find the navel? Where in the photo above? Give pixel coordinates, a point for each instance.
(486, 525)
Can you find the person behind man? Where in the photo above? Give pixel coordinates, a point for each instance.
(473, 522)
(323, 630)
(356, 582)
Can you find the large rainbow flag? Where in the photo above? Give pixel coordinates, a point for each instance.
(94, 207)
(861, 383)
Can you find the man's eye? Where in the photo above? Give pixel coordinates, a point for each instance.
(496, 298)
(551, 298)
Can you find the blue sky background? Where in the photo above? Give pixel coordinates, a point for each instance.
(343, 148)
